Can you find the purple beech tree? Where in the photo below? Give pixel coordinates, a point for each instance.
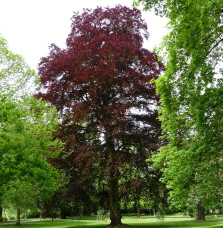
(101, 84)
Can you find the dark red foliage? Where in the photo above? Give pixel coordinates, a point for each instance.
(101, 84)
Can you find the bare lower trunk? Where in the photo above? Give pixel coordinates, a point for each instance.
(154, 212)
(63, 213)
(18, 217)
(6, 214)
(200, 213)
(138, 210)
(15, 213)
(1, 211)
(26, 214)
(138, 213)
(115, 214)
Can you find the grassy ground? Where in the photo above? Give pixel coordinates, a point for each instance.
(145, 221)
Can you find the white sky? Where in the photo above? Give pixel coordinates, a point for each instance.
(30, 26)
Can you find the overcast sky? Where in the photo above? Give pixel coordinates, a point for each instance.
(30, 26)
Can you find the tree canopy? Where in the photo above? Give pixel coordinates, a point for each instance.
(101, 84)
(191, 96)
(27, 128)
(16, 77)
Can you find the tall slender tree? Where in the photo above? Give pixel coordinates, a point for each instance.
(27, 128)
(26, 140)
(191, 95)
(101, 84)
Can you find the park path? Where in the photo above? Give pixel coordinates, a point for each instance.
(27, 221)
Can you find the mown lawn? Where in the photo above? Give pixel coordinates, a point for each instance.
(145, 221)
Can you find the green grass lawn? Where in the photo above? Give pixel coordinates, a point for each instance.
(144, 221)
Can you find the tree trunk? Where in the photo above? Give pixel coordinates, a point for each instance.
(15, 213)
(6, 214)
(63, 213)
(138, 213)
(154, 212)
(18, 216)
(1, 211)
(115, 214)
(200, 213)
(138, 210)
(26, 214)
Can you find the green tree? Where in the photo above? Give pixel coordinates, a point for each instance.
(27, 130)
(19, 195)
(26, 136)
(16, 77)
(191, 96)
